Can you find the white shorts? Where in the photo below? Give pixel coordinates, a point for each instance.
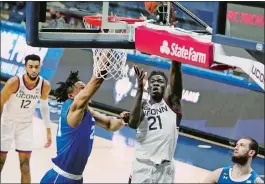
(146, 172)
(22, 133)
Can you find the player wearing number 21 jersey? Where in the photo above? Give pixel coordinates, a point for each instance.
(19, 99)
(156, 122)
(76, 128)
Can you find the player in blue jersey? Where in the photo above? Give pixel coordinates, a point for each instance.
(245, 151)
(76, 129)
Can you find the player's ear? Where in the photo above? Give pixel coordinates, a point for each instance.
(70, 95)
(251, 153)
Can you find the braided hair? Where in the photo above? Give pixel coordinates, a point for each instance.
(61, 93)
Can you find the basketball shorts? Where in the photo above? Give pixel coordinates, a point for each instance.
(57, 177)
(21, 133)
(147, 172)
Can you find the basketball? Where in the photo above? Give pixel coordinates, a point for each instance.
(150, 6)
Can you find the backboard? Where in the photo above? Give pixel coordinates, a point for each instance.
(192, 41)
(240, 24)
(66, 28)
(59, 24)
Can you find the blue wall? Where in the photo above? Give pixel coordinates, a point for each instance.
(14, 49)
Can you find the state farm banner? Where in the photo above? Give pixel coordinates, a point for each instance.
(182, 48)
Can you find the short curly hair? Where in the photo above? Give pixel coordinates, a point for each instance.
(158, 73)
(31, 57)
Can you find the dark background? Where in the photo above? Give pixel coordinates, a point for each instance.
(243, 30)
(222, 110)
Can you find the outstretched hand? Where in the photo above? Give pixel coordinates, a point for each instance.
(141, 76)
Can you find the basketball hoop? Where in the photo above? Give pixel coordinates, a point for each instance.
(97, 20)
(116, 58)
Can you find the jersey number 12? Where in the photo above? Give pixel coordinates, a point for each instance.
(25, 104)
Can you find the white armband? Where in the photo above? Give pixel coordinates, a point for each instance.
(45, 113)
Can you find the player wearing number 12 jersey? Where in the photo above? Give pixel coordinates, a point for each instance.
(19, 98)
(156, 121)
(76, 128)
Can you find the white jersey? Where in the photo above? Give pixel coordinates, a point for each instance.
(21, 105)
(157, 134)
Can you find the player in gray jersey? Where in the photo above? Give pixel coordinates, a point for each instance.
(156, 121)
(19, 99)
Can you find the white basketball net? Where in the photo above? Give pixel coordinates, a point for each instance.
(110, 60)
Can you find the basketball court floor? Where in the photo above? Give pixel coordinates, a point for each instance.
(112, 155)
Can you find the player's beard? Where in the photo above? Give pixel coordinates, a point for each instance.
(241, 160)
(32, 78)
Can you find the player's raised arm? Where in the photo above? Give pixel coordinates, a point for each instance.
(173, 92)
(10, 87)
(110, 124)
(81, 100)
(44, 109)
(136, 112)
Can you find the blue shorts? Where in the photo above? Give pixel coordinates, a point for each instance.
(53, 177)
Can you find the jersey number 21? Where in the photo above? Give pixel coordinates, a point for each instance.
(154, 120)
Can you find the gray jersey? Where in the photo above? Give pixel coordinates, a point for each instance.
(157, 134)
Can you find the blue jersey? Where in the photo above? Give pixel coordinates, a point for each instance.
(225, 176)
(74, 145)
